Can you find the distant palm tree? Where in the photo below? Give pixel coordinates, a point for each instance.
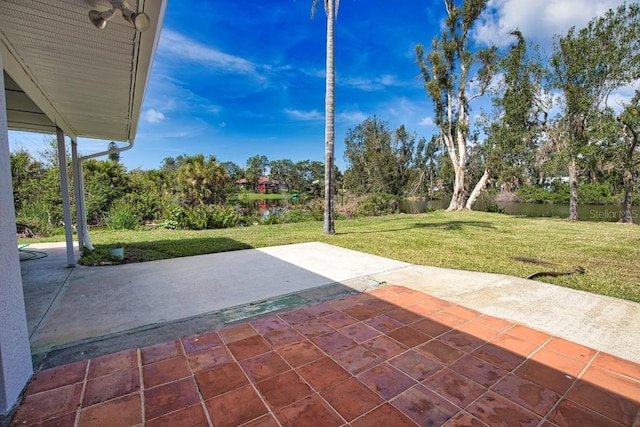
(330, 7)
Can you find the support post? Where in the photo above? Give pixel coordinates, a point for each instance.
(76, 168)
(15, 354)
(66, 204)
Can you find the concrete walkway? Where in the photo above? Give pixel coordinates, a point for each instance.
(84, 304)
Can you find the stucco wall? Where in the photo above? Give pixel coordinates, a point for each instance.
(15, 354)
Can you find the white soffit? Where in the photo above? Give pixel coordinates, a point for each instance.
(64, 71)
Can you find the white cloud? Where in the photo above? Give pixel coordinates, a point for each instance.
(184, 48)
(426, 121)
(371, 84)
(153, 116)
(538, 20)
(351, 116)
(304, 115)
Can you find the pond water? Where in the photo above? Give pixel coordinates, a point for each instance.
(610, 213)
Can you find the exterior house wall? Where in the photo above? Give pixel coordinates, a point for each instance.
(15, 354)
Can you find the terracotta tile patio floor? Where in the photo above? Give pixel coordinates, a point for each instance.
(389, 357)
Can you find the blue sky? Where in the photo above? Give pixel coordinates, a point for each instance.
(239, 78)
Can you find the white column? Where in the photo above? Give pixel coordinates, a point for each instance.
(15, 354)
(77, 171)
(66, 204)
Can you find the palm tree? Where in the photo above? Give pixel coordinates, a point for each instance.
(330, 7)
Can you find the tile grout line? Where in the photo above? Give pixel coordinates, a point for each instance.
(142, 387)
(193, 377)
(84, 388)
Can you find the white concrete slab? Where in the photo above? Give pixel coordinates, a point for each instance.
(600, 322)
(97, 301)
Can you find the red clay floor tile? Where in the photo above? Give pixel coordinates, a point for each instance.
(424, 406)
(201, 342)
(528, 334)
(416, 365)
(495, 323)
(300, 353)
(384, 323)
(264, 421)
(321, 310)
(478, 370)
(162, 351)
(339, 320)
(284, 389)
(313, 328)
(351, 398)
(463, 312)
(609, 394)
(526, 393)
(455, 387)
(440, 352)
(170, 397)
(464, 419)
(165, 371)
(498, 356)
(323, 373)
(236, 332)
(569, 414)
(268, 324)
(264, 366)
(404, 316)
(249, 347)
(386, 380)
(235, 407)
(479, 331)
(359, 332)
(361, 312)
(49, 404)
(566, 364)
(58, 377)
(111, 363)
(495, 410)
(124, 411)
(220, 380)
(516, 345)
(209, 358)
(312, 411)
(617, 365)
(191, 416)
(461, 340)
(296, 316)
(107, 387)
(283, 336)
(357, 359)
(546, 376)
(333, 342)
(430, 327)
(385, 347)
(409, 337)
(577, 351)
(448, 319)
(384, 416)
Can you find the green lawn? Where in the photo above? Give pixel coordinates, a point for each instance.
(478, 241)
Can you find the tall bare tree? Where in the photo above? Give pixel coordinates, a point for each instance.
(448, 71)
(587, 65)
(331, 8)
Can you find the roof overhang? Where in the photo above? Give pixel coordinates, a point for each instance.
(61, 71)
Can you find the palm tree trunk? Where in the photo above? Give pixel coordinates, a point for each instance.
(573, 190)
(329, 226)
(629, 183)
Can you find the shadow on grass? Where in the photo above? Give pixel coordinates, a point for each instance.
(447, 225)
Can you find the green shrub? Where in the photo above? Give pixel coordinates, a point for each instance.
(377, 204)
(122, 216)
(38, 216)
(202, 217)
(596, 193)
